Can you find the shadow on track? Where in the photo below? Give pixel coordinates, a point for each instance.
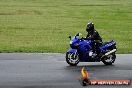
(90, 67)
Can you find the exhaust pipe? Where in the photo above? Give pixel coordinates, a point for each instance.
(108, 53)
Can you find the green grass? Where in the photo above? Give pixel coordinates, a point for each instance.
(44, 25)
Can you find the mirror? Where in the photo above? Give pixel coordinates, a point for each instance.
(78, 34)
(69, 37)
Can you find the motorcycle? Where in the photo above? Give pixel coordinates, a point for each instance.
(81, 51)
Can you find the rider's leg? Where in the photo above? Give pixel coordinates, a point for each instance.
(97, 44)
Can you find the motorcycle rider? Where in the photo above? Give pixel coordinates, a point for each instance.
(94, 36)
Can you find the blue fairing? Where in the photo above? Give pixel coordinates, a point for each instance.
(85, 46)
(72, 50)
(105, 46)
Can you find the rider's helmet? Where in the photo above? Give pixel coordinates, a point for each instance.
(90, 27)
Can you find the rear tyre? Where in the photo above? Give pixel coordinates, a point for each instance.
(109, 60)
(72, 58)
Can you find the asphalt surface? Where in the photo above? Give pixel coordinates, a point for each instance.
(21, 70)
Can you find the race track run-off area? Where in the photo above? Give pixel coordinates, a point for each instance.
(45, 70)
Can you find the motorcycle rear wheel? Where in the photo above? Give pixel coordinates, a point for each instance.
(110, 59)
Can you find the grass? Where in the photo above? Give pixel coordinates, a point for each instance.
(44, 25)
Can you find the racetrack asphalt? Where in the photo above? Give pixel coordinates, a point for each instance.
(43, 70)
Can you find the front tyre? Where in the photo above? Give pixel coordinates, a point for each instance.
(108, 60)
(72, 58)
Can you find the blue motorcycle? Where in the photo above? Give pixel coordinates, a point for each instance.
(81, 51)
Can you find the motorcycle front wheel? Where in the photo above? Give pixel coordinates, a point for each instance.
(72, 58)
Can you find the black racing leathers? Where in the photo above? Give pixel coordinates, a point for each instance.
(94, 36)
(96, 39)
